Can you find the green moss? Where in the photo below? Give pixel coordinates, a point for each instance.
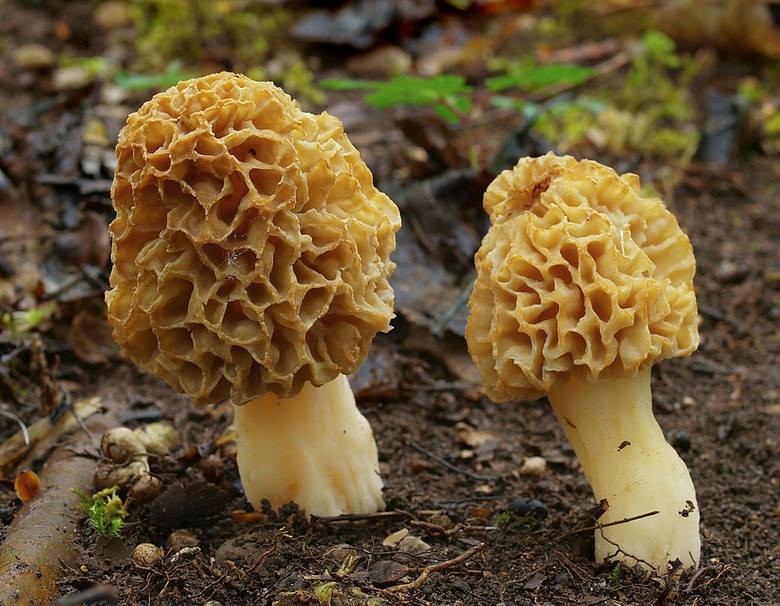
(105, 511)
(237, 32)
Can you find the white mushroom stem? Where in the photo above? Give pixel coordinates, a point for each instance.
(315, 449)
(628, 462)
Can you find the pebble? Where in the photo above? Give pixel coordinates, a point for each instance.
(533, 466)
(729, 272)
(681, 440)
(181, 538)
(70, 78)
(111, 15)
(33, 56)
(146, 555)
(393, 539)
(531, 508)
(413, 545)
(158, 438)
(562, 579)
(384, 63)
(146, 489)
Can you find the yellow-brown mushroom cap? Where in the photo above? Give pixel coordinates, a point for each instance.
(578, 275)
(250, 246)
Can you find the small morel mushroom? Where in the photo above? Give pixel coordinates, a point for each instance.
(583, 284)
(251, 262)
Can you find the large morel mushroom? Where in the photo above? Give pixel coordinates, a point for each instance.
(583, 284)
(251, 263)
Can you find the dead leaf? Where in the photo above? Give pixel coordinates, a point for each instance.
(536, 581)
(386, 572)
(27, 485)
(90, 338)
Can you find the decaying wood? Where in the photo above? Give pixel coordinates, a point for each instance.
(41, 537)
(41, 540)
(41, 435)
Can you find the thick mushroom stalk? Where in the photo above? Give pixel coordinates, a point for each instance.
(286, 448)
(628, 462)
(582, 285)
(251, 256)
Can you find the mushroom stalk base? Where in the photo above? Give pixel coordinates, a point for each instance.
(315, 449)
(628, 462)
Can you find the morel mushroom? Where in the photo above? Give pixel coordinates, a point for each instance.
(583, 284)
(251, 262)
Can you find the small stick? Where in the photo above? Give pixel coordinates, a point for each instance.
(20, 423)
(690, 586)
(280, 534)
(96, 593)
(608, 524)
(359, 517)
(426, 572)
(447, 464)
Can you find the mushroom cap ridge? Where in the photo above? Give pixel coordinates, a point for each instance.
(250, 246)
(578, 275)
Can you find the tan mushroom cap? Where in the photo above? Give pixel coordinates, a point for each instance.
(578, 275)
(250, 246)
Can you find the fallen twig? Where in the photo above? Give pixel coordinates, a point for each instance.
(447, 464)
(359, 517)
(43, 529)
(426, 572)
(96, 593)
(42, 434)
(691, 584)
(598, 526)
(20, 423)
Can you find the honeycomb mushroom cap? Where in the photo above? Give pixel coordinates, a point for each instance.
(250, 246)
(578, 275)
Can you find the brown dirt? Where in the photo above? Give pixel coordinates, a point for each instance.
(720, 408)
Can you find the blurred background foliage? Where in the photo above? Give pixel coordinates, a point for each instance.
(470, 83)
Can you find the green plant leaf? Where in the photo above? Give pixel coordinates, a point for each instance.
(449, 95)
(540, 77)
(172, 75)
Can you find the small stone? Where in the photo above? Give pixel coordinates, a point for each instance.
(70, 78)
(94, 133)
(111, 15)
(107, 475)
(33, 56)
(533, 466)
(530, 508)
(158, 438)
(441, 519)
(146, 555)
(145, 489)
(384, 62)
(729, 272)
(181, 538)
(392, 540)
(212, 467)
(413, 545)
(121, 445)
(681, 440)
